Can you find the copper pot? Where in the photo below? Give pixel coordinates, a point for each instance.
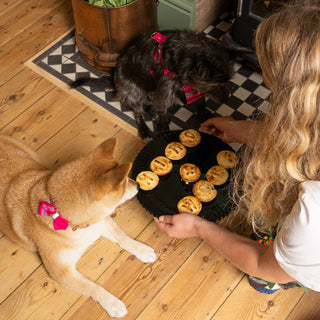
(101, 33)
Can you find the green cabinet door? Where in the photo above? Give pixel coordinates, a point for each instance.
(176, 14)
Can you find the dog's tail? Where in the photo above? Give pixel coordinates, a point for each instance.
(103, 82)
(239, 52)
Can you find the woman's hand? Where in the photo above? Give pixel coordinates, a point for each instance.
(229, 130)
(183, 225)
(221, 127)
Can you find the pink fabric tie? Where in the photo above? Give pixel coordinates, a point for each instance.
(47, 209)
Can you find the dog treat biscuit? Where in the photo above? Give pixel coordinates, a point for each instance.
(175, 151)
(147, 180)
(161, 165)
(189, 172)
(189, 204)
(227, 159)
(190, 137)
(217, 175)
(204, 191)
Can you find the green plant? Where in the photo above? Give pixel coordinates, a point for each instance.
(109, 3)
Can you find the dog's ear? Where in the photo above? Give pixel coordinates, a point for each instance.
(120, 173)
(112, 180)
(106, 148)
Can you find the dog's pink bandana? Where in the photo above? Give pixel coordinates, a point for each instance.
(190, 93)
(48, 209)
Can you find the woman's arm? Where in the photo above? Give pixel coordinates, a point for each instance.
(229, 130)
(247, 255)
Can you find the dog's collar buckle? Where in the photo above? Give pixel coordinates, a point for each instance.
(159, 37)
(59, 223)
(49, 210)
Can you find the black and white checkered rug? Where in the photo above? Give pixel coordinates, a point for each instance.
(248, 94)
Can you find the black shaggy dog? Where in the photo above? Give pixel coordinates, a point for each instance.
(158, 70)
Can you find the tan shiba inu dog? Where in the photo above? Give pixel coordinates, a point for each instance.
(60, 213)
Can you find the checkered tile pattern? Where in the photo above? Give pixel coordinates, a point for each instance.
(248, 94)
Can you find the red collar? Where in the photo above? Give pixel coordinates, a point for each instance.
(190, 93)
(48, 209)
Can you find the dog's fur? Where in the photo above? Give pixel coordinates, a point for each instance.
(196, 59)
(85, 191)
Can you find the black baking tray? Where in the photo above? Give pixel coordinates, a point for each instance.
(164, 198)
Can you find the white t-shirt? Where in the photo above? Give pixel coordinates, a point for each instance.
(297, 245)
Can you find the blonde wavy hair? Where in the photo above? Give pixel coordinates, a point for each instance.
(287, 151)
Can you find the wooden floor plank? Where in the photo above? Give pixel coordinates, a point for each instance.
(43, 119)
(21, 15)
(34, 299)
(4, 5)
(16, 265)
(308, 308)
(33, 39)
(206, 277)
(20, 93)
(84, 133)
(245, 303)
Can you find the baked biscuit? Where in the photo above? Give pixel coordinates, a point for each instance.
(217, 175)
(190, 137)
(227, 159)
(204, 191)
(189, 172)
(189, 204)
(161, 165)
(147, 180)
(175, 151)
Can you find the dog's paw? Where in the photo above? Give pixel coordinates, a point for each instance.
(144, 131)
(148, 256)
(144, 253)
(115, 308)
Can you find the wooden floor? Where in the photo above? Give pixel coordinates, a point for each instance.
(189, 280)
